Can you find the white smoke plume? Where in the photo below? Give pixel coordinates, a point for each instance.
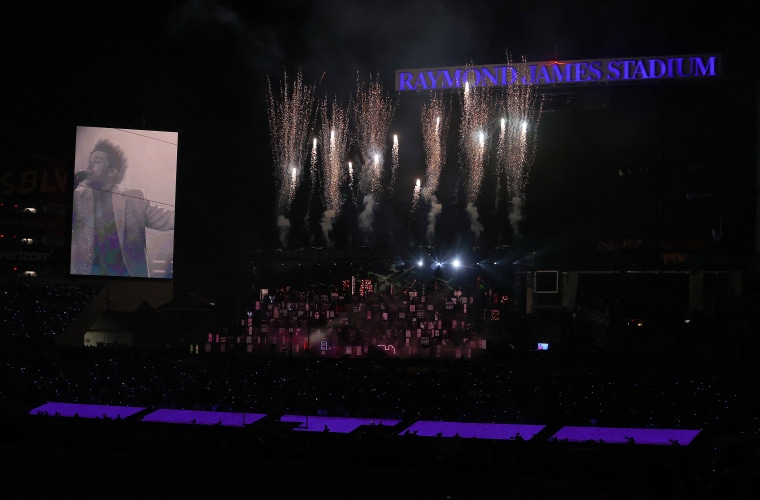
(366, 218)
(284, 224)
(475, 225)
(515, 216)
(327, 224)
(435, 211)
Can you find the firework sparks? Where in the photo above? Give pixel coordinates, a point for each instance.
(351, 175)
(314, 180)
(435, 124)
(372, 112)
(394, 160)
(290, 113)
(416, 195)
(517, 142)
(334, 133)
(477, 105)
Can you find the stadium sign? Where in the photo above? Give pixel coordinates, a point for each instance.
(25, 256)
(591, 71)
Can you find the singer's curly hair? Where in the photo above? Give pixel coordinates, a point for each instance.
(116, 157)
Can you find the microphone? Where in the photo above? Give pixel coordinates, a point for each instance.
(79, 177)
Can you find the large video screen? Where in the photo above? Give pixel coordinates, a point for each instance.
(123, 203)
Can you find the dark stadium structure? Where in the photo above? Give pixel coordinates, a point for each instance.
(629, 301)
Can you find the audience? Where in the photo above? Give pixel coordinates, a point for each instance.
(709, 385)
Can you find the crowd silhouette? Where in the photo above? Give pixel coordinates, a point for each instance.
(710, 385)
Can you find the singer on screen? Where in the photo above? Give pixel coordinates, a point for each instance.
(108, 225)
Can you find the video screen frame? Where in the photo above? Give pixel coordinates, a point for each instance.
(140, 241)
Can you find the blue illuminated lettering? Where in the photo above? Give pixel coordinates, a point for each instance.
(405, 81)
(560, 73)
(627, 69)
(531, 77)
(489, 77)
(595, 69)
(707, 69)
(431, 79)
(613, 70)
(677, 64)
(420, 83)
(543, 76)
(451, 82)
(582, 72)
(552, 73)
(657, 68)
(466, 76)
(639, 71)
(513, 76)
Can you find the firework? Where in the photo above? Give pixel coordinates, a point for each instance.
(335, 137)
(313, 178)
(474, 139)
(290, 113)
(372, 112)
(521, 107)
(394, 160)
(435, 125)
(416, 195)
(351, 175)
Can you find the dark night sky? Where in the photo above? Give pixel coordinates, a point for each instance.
(201, 68)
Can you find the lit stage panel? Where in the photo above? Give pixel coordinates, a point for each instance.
(86, 411)
(228, 419)
(473, 430)
(622, 435)
(342, 425)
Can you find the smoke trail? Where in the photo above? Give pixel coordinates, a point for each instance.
(372, 112)
(335, 138)
(435, 211)
(434, 118)
(521, 108)
(327, 224)
(477, 105)
(515, 216)
(284, 225)
(290, 112)
(367, 216)
(475, 225)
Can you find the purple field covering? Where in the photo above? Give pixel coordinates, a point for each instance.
(229, 419)
(86, 411)
(473, 430)
(341, 425)
(621, 435)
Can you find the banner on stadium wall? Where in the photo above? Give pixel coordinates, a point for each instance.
(589, 71)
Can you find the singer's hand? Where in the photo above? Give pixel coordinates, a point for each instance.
(80, 178)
